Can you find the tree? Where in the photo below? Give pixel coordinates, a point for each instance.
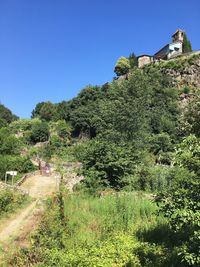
(44, 110)
(191, 116)
(6, 116)
(106, 163)
(47, 111)
(9, 144)
(133, 60)
(181, 202)
(122, 66)
(62, 111)
(36, 111)
(187, 47)
(40, 132)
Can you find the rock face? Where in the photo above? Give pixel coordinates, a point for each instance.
(71, 178)
(184, 71)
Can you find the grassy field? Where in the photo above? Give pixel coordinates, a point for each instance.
(114, 230)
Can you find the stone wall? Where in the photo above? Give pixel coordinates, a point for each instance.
(144, 60)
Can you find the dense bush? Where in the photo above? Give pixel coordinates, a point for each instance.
(23, 125)
(106, 164)
(181, 203)
(39, 132)
(10, 200)
(44, 111)
(6, 116)
(15, 163)
(9, 144)
(191, 116)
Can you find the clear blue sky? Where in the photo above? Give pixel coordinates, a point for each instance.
(51, 49)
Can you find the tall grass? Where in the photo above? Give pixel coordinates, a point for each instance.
(94, 231)
(89, 218)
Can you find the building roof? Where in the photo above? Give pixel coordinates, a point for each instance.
(177, 42)
(162, 49)
(144, 55)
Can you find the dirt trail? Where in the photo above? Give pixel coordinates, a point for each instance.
(22, 223)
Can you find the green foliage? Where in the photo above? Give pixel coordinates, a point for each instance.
(15, 163)
(188, 154)
(179, 64)
(106, 164)
(62, 111)
(181, 207)
(23, 125)
(40, 132)
(122, 66)
(161, 143)
(133, 60)
(61, 129)
(10, 200)
(36, 111)
(181, 202)
(6, 116)
(47, 111)
(9, 144)
(3, 123)
(187, 47)
(186, 90)
(125, 119)
(191, 116)
(152, 255)
(84, 110)
(98, 229)
(130, 109)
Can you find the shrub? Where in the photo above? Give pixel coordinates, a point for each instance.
(15, 163)
(9, 144)
(9, 200)
(108, 163)
(181, 202)
(40, 132)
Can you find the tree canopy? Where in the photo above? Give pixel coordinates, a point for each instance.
(6, 116)
(187, 47)
(122, 66)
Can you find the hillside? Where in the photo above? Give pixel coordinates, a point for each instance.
(139, 152)
(6, 116)
(185, 69)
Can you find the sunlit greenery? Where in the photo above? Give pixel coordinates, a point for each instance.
(138, 204)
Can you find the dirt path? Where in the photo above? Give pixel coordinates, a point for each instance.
(40, 186)
(21, 224)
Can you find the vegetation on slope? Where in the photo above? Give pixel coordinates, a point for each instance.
(10, 158)
(93, 232)
(130, 135)
(6, 116)
(10, 201)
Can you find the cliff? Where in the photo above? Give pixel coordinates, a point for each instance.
(184, 70)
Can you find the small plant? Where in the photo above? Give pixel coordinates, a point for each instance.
(186, 90)
(10, 200)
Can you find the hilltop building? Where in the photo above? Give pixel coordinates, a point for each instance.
(168, 51)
